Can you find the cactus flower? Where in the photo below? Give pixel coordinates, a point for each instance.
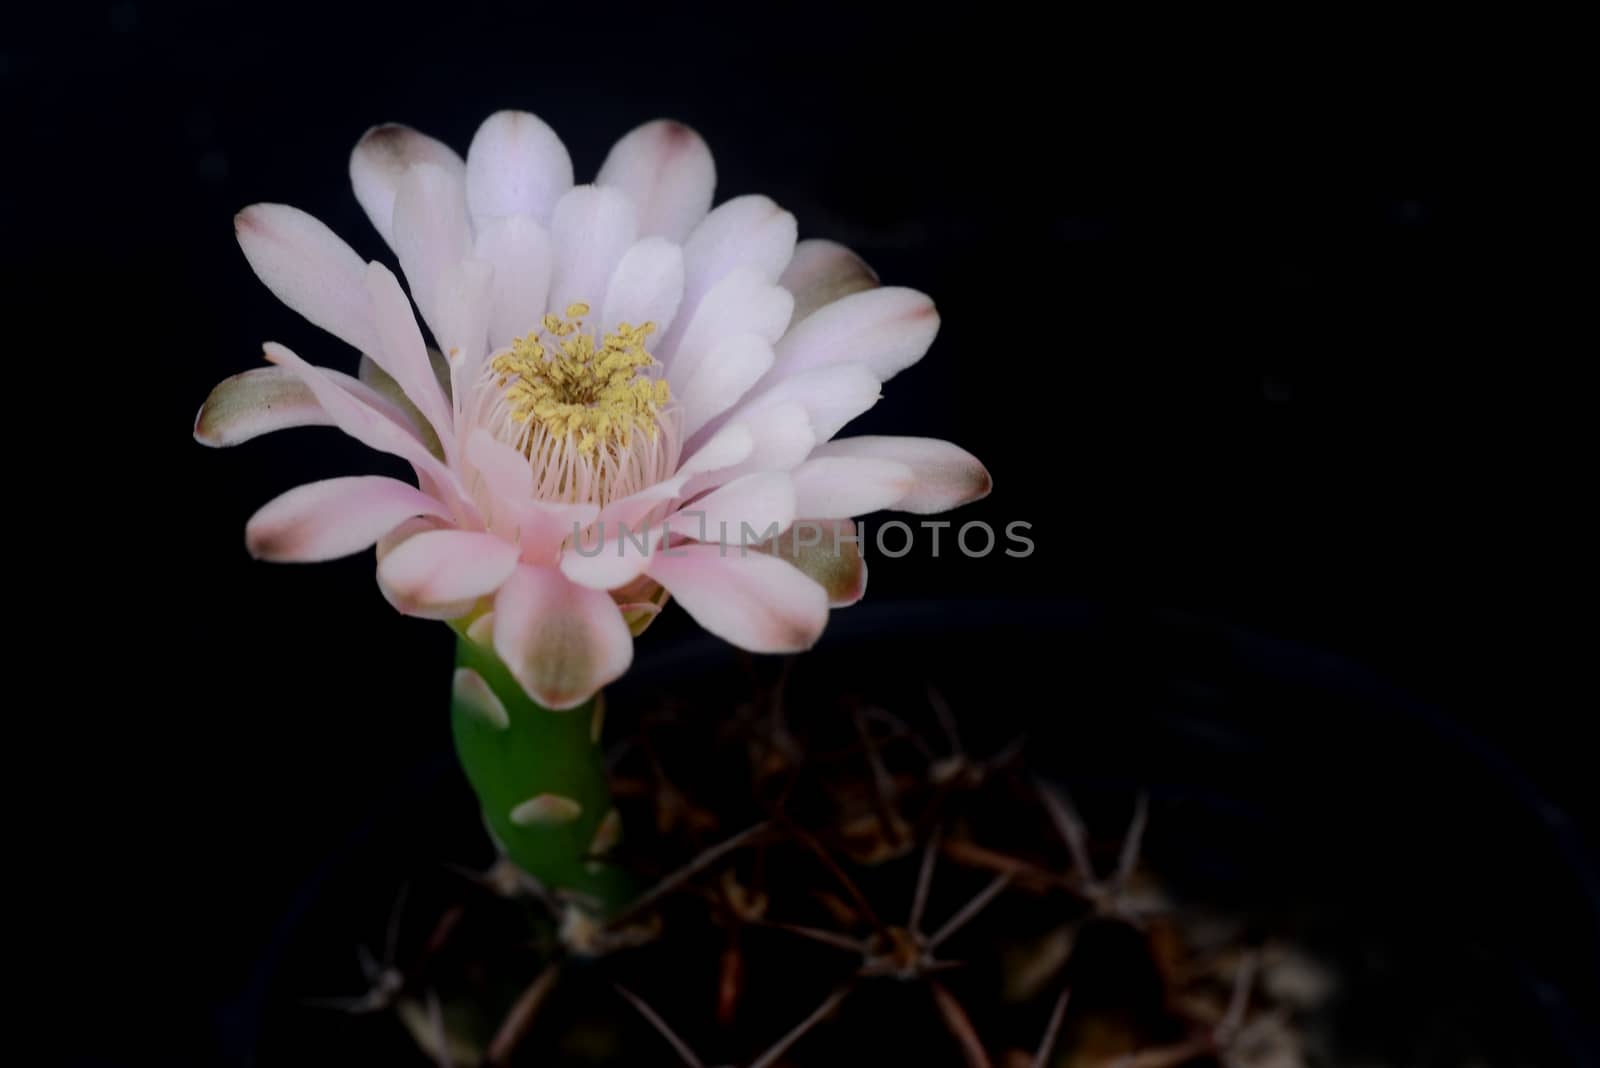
(624, 381)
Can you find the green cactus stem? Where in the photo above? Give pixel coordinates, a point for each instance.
(540, 777)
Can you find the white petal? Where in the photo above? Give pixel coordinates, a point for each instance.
(724, 376)
(561, 642)
(402, 354)
(947, 476)
(591, 229)
(441, 574)
(822, 272)
(463, 323)
(781, 437)
(887, 329)
(333, 518)
(742, 303)
(666, 169)
(519, 251)
(831, 396)
(764, 503)
(748, 231)
(309, 268)
(755, 601)
(431, 233)
(504, 469)
(645, 287)
(371, 427)
(838, 487)
(381, 157)
(253, 403)
(516, 165)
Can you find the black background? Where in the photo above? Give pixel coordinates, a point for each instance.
(1250, 321)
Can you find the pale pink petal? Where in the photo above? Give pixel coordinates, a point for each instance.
(747, 231)
(381, 157)
(441, 574)
(504, 469)
(431, 233)
(947, 476)
(725, 450)
(887, 329)
(742, 303)
(402, 354)
(831, 396)
(744, 511)
(371, 427)
(265, 399)
(838, 487)
(591, 230)
(724, 376)
(562, 642)
(666, 169)
(539, 526)
(611, 556)
(253, 403)
(387, 396)
(753, 600)
(516, 165)
(780, 437)
(333, 518)
(309, 268)
(617, 551)
(519, 251)
(645, 287)
(829, 552)
(462, 326)
(822, 272)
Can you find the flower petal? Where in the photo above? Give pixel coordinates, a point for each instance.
(827, 550)
(780, 437)
(539, 526)
(742, 303)
(645, 287)
(388, 390)
(519, 251)
(381, 157)
(831, 397)
(591, 229)
(822, 272)
(887, 329)
(560, 641)
(763, 502)
(253, 403)
(441, 574)
(402, 354)
(947, 476)
(333, 518)
(309, 268)
(370, 427)
(516, 165)
(725, 375)
(431, 234)
(838, 487)
(747, 231)
(666, 169)
(463, 323)
(753, 600)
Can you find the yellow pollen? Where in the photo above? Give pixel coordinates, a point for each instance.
(578, 388)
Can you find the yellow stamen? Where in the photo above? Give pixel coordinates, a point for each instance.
(578, 388)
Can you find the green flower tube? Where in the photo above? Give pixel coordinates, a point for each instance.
(540, 777)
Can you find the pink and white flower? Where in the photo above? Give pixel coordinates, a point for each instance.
(625, 378)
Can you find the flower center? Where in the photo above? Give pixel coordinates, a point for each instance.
(591, 417)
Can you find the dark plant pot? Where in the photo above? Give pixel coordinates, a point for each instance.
(1291, 791)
